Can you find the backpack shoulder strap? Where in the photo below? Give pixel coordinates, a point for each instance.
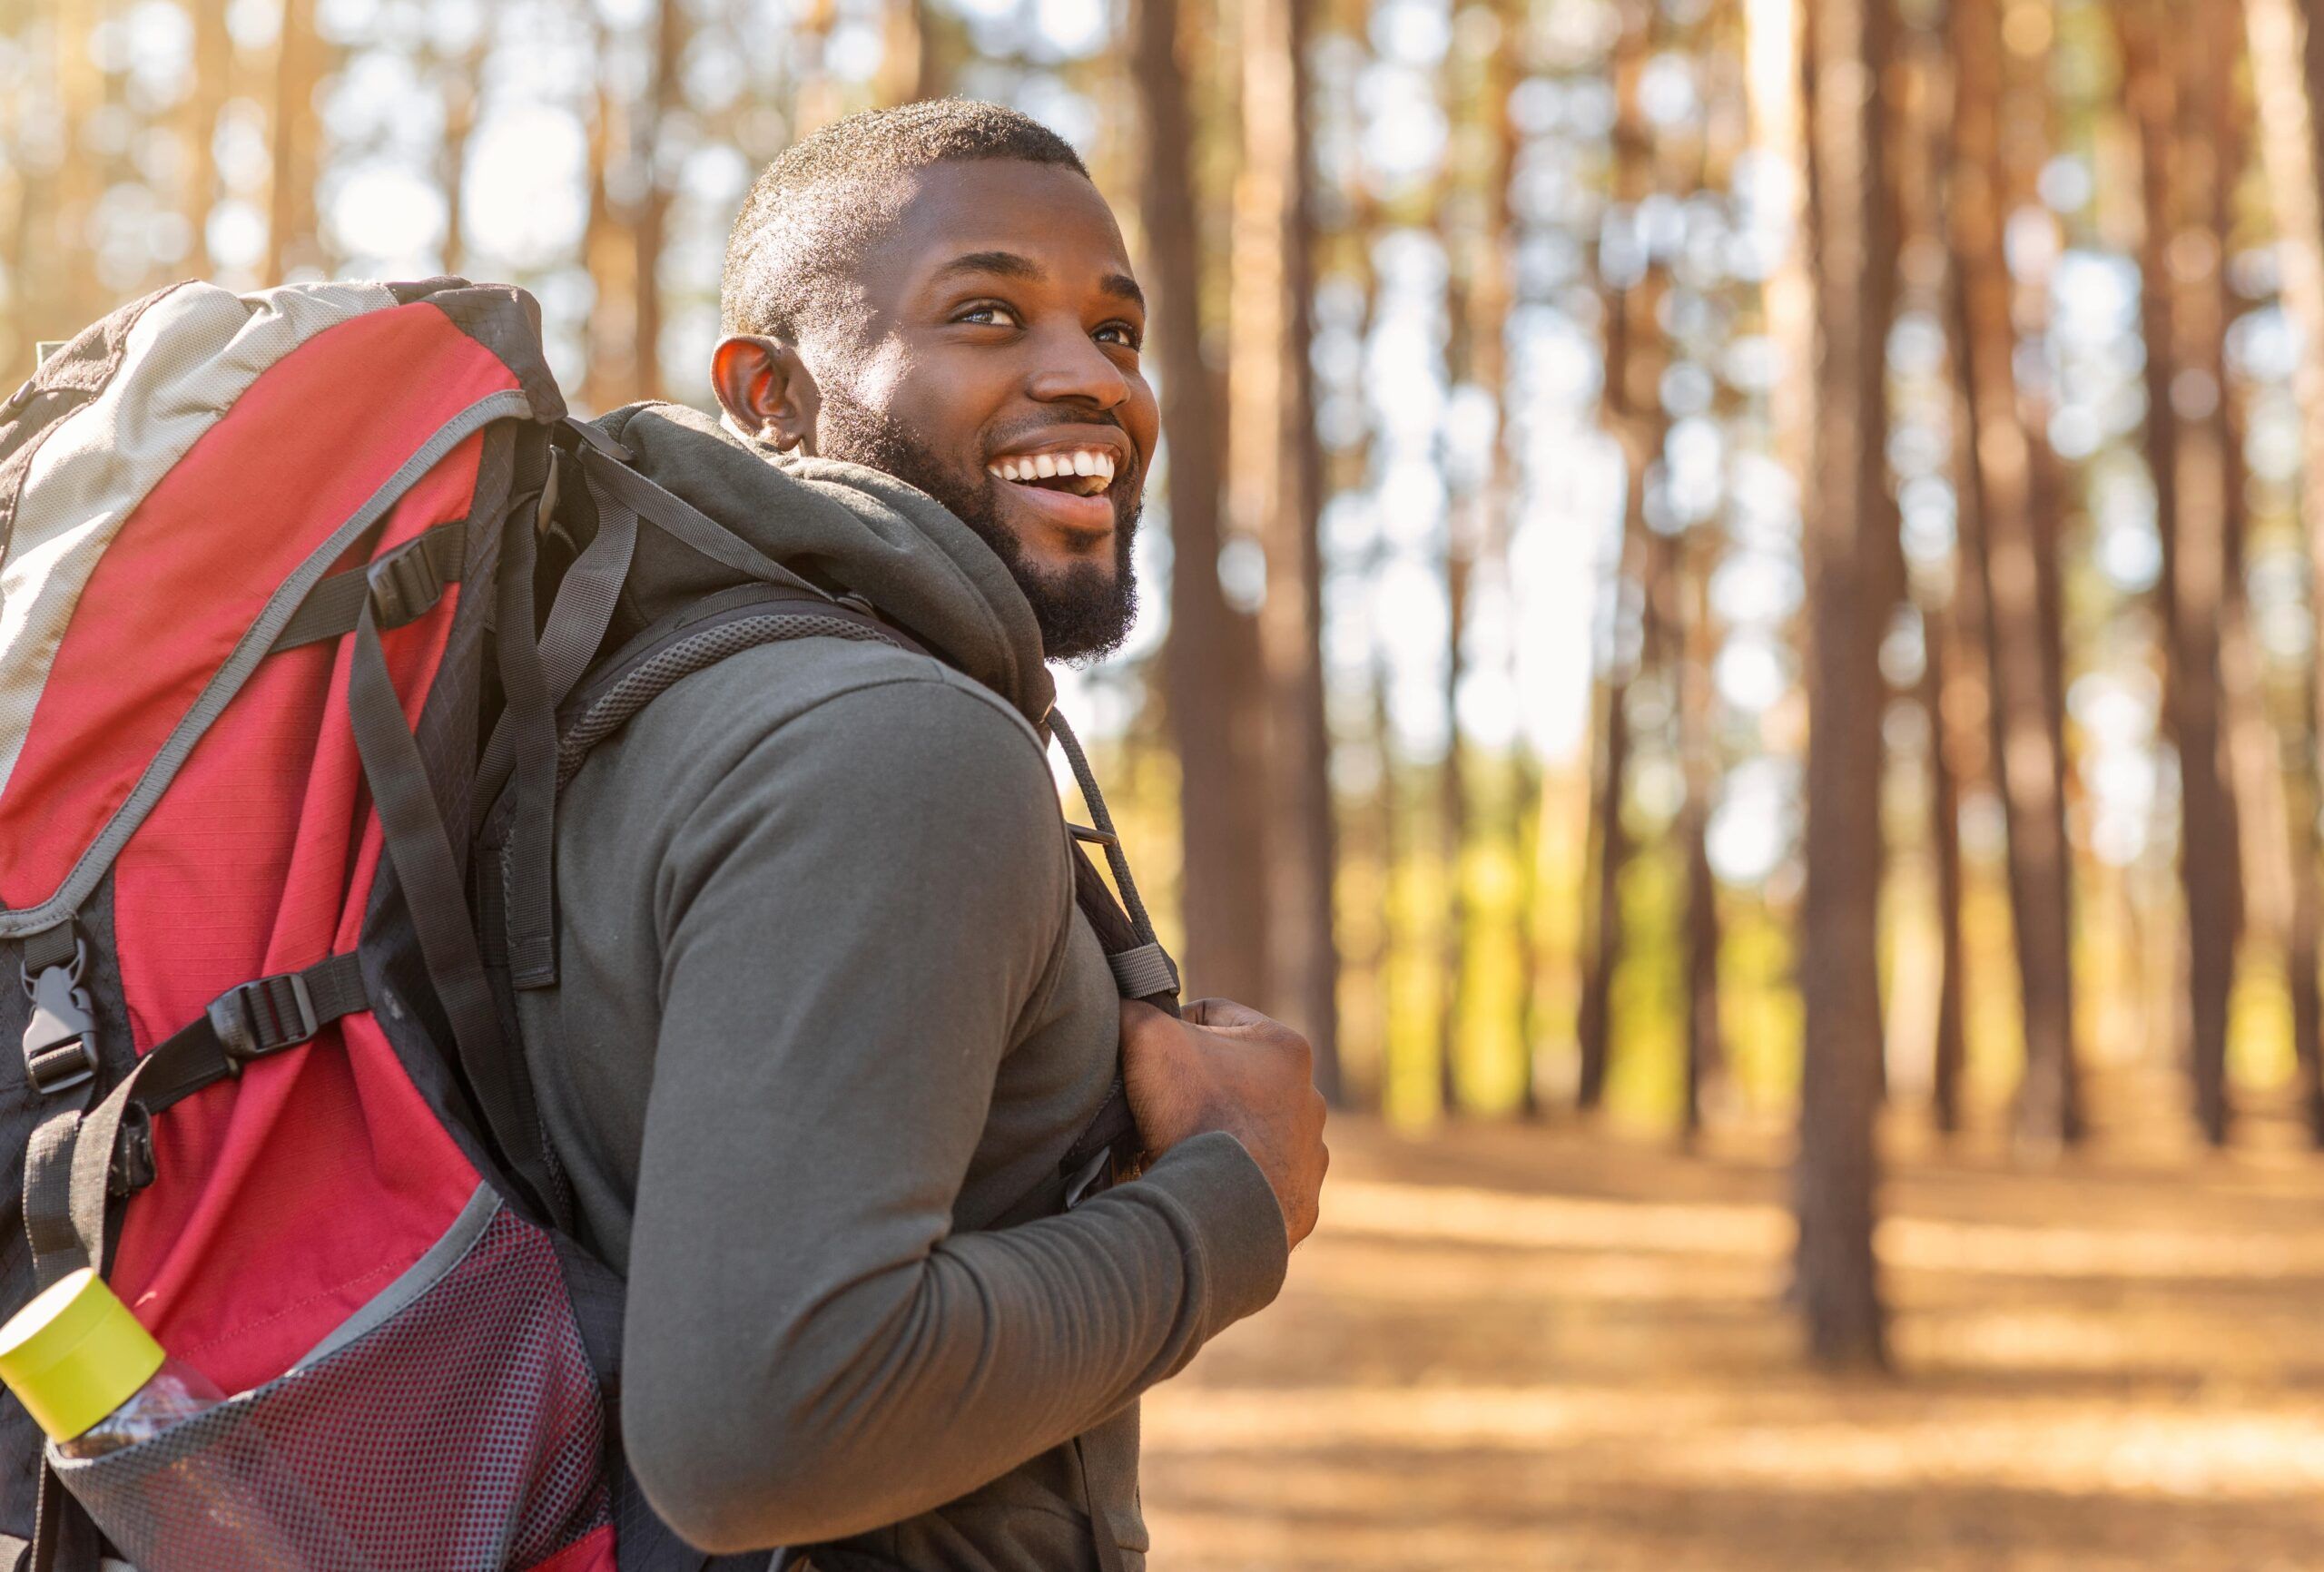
(703, 635)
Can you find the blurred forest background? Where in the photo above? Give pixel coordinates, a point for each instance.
(1729, 601)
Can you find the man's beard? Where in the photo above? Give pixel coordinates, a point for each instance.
(1084, 611)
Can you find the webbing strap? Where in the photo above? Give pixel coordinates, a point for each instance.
(425, 565)
(1115, 858)
(1101, 1528)
(424, 868)
(63, 1538)
(74, 1159)
(48, 1189)
(258, 1018)
(527, 732)
(586, 598)
(683, 521)
(537, 677)
(50, 947)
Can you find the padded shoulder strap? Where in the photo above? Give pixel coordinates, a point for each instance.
(678, 646)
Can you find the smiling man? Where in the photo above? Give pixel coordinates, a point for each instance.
(831, 1015)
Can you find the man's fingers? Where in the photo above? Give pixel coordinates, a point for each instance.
(1224, 1015)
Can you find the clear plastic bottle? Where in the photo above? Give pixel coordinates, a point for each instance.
(90, 1375)
(98, 1384)
(171, 1396)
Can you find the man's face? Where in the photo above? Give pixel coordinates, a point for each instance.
(994, 365)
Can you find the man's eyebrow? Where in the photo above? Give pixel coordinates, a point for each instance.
(1011, 265)
(1006, 264)
(1122, 286)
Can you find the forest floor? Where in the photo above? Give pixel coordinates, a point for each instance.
(1546, 1347)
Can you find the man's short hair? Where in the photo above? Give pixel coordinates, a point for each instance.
(814, 212)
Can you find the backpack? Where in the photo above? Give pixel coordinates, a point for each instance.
(308, 610)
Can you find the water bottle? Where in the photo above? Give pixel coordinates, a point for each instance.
(92, 1377)
(97, 1381)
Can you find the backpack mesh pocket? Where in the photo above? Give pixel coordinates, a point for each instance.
(465, 1433)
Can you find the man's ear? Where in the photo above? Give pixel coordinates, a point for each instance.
(766, 389)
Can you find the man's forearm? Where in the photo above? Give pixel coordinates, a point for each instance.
(992, 1348)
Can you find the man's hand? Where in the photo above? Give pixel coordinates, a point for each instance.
(1228, 1067)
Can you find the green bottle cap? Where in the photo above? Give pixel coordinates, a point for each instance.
(75, 1353)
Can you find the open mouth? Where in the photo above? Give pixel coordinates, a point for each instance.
(1067, 484)
(1077, 472)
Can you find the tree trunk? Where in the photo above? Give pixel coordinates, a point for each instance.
(1838, 1173)
(49, 286)
(2253, 757)
(2287, 55)
(1529, 833)
(2001, 540)
(81, 177)
(1387, 832)
(1609, 854)
(2305, 800)
(213, 67)
(1452, 779)
(1951, 1056)
(1633, 413)
(1210, 662)
(463, 92)
(1276, 485)
(1453, 826)
(816, 99)
(291, 243)
(608, 376)
(649, 222)
(1493, 298)
(1948, 694)
(1695, 646)
(909, 68)
(2180, 321)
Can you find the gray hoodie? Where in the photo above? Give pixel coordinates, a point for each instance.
(828, 1006)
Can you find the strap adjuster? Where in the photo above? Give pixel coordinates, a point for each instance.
(61, 1039)
(405, 584)
(1145, 971)
(132, 1154)
(263, 1018)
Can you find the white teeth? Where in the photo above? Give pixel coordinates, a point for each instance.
(1043, 465)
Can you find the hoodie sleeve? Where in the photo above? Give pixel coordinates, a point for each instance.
(851, 921)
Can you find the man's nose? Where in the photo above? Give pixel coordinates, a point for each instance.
(1070, 369)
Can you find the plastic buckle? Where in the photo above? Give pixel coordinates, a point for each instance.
(404, 585)
(132, 1156)
(61, 1039)
(251, 1023)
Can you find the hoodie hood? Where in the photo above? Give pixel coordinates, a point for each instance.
(845, 526)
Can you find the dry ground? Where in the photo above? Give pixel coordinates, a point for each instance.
(1544, 1348)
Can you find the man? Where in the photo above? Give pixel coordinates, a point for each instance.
(829, 1006)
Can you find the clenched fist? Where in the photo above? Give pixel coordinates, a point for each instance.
(1226, 1067)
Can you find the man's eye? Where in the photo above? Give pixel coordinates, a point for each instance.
(988, 316)
(1120, 333)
